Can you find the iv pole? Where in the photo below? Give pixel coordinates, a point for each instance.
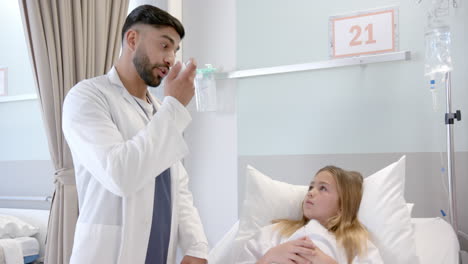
(449, 120)
(440, 42)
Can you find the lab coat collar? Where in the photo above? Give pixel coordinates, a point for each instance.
(114, 78)
(154, 101)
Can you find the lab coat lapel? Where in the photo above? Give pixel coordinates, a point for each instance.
(154, 101)
(115, 80)
(133, 102)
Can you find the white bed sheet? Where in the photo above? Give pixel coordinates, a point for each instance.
(10, 252)
(436, 243)
(29, 245)
(36, 217)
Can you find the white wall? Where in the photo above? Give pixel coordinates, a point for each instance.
(22, 135)
(26, 178)
(378, 108)
(212, 137)
(25, 165)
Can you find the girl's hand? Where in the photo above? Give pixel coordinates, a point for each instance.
(318, 257)
(291, 252)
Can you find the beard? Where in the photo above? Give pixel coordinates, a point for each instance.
(145, 69)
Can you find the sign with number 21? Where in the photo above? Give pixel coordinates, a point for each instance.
(363, 33)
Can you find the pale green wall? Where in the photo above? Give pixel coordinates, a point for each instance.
(22, 135)
(378, 108)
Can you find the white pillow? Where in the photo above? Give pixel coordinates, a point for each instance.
(13, 227)
(410, 208)
(267, 200)
(383, 210)
(385, 214)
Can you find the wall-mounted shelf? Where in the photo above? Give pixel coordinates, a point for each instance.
(22, 97)
(335, 63)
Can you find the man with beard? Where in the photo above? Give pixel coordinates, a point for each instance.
(135, 205)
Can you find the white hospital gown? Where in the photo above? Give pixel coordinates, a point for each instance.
(269, 237)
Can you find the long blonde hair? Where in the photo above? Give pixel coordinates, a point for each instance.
(349, 232)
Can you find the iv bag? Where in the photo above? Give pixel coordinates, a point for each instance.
(438, 46)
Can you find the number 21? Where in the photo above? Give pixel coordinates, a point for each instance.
(358, 30)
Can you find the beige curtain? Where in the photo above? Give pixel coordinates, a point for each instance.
(68, 40)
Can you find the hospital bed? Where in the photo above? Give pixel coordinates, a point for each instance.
(435, 241)
(32, 247)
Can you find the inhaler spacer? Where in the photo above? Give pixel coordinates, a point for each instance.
(205, 89)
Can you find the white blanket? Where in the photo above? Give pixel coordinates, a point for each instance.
(269, 237)
(12, 252)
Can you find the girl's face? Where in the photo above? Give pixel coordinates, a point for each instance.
(322, 200)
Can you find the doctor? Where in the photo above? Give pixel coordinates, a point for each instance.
(134, 201)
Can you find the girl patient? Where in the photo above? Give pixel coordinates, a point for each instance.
(328, 233)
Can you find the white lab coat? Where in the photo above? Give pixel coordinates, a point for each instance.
(269, 237)
(117, 153)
